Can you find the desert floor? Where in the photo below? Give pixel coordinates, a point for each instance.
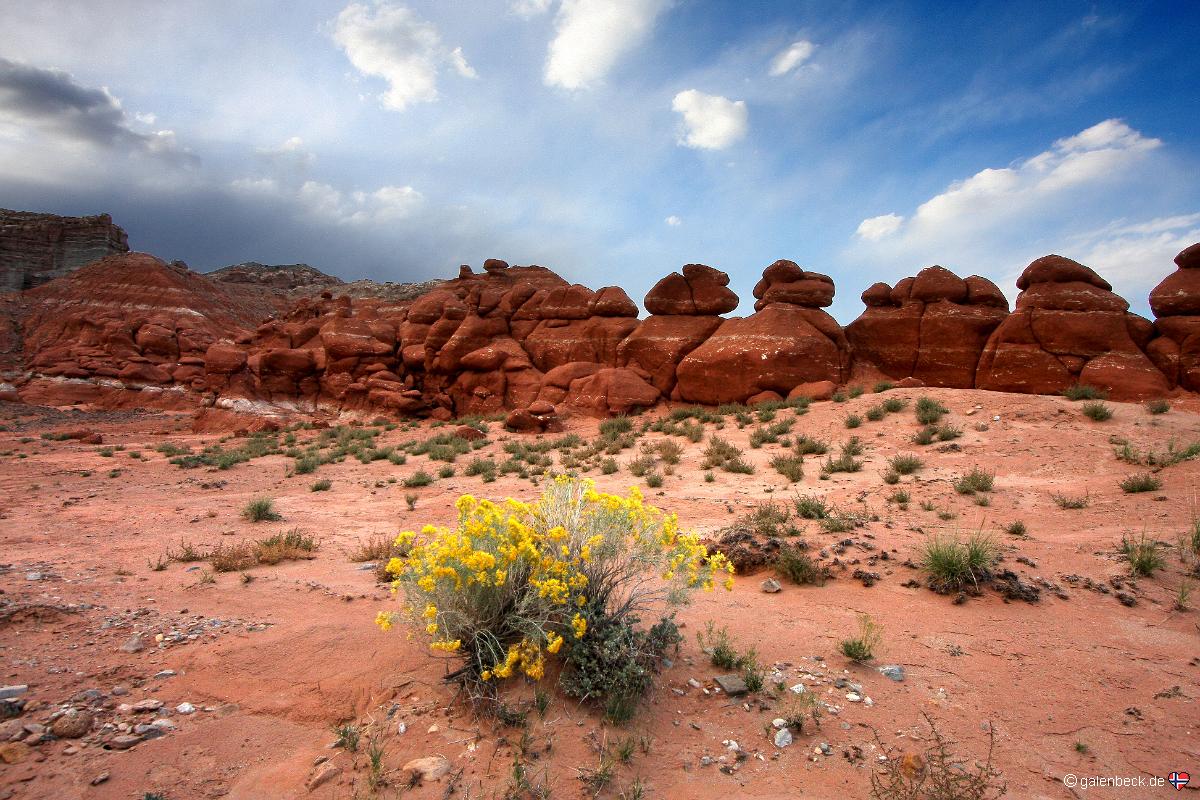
(1075, 684)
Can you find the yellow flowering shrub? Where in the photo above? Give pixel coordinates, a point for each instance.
(514, 583)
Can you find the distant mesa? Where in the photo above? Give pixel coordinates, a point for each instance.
(36, 248)
(129, 329)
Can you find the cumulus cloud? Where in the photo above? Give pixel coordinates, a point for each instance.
(592, 35)
(710, 122)
(673, 221)
(57, 107)
(875, 228)
(791, 57)
(530, 8)
(993, 195)
(391, 42)
(332, 206)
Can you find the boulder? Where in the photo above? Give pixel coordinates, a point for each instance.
(1175, 301)
(1068, 327)
(611, 391)
(661, 342)
(932, 326)
(697, 290)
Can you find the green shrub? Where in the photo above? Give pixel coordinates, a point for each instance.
(1158, 406)
(883, 386)
(806, 446)
(654, 480)
(795, 564)
(1084, 392)
(811, 507)
(1141, 482)
(609, 466)
(876, 413)
(952, 563)
(616, 426)
(261, 509)
(843, 463)
(1097, 412)
(853, 421)
(930, 411)
(306, 465)
(1016, 528)
(891, 477)
(418, 478)
(901, 497)
(1144, 555)
(323, 485)
(893, 405)
(446, 471)
(790, 467)
(925, 436)
(855, 391)
(977, 480)
(905, 463)
(1070, 502)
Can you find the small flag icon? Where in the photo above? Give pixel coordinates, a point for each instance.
(1179, 780)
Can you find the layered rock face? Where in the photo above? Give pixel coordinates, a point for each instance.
(788, 341)
(36, 248)
(1176, 304)
(931, 327)
(1068, 327)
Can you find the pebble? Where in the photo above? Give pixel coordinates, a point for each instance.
(134, 645)
(771, 586)
(893, 672)
(783, 737)
(99, 779)
(166, 673)
(429, 768)
(33, 576)
(854, 697)
(779, 722)
(185, 708)
(324, 776)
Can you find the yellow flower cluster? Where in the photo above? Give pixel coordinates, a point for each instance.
(538, 561)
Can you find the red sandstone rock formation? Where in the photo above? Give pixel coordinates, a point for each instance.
(932, 327)
(788, 341)
(1176, 304)
(1069, 327)
(36, 248)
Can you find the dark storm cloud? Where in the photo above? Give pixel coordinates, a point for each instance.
(53, 101)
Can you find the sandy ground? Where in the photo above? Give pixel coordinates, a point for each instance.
(1076, 684)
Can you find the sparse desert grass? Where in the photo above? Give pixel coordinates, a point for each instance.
(953, 564)
(937, 773)
(893, 405)
(323, 485)
(930, 411)
(790, 467)
(1125, 451)
(900, 497)
(1097, 412)
(769, 519)
(853, 421)
(977, 480)
(839, 522)
(797, 566)
(669, 451)
(1065, 501)
(482, 467)
(862, 647)
(290, 546)
(261, 509)
(891, 477)
(1157, 406)
(905, 463)
(654, 480)
(883, 386)
(721, 454)
(852, 447)
(1082, 391)
(1016, 528)
(843, 463)
(854, 391)
(1144, 555)
(1141, 482)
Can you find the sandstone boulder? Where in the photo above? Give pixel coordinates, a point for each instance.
(1068, 327)
(697, 290)
(1176, 303)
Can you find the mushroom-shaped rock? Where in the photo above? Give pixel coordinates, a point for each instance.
(1068, 327)
(1176, 303)
(932, 326)
(698, 290)
(612, 301)
(786, 282)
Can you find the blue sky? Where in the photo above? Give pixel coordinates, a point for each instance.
(615, 140)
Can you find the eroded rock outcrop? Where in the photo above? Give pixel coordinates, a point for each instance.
(1068, 327)
(932, 327)
(36, 248)
(1176, 304)
(789, 340)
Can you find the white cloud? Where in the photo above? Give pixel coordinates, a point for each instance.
(1136, 256)
(332, 206)
(710, 122)
(391, 42)
(592, 35)
(530, 8)
(673, 221)
(791, 57)
(875, 228)
(994, 195)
